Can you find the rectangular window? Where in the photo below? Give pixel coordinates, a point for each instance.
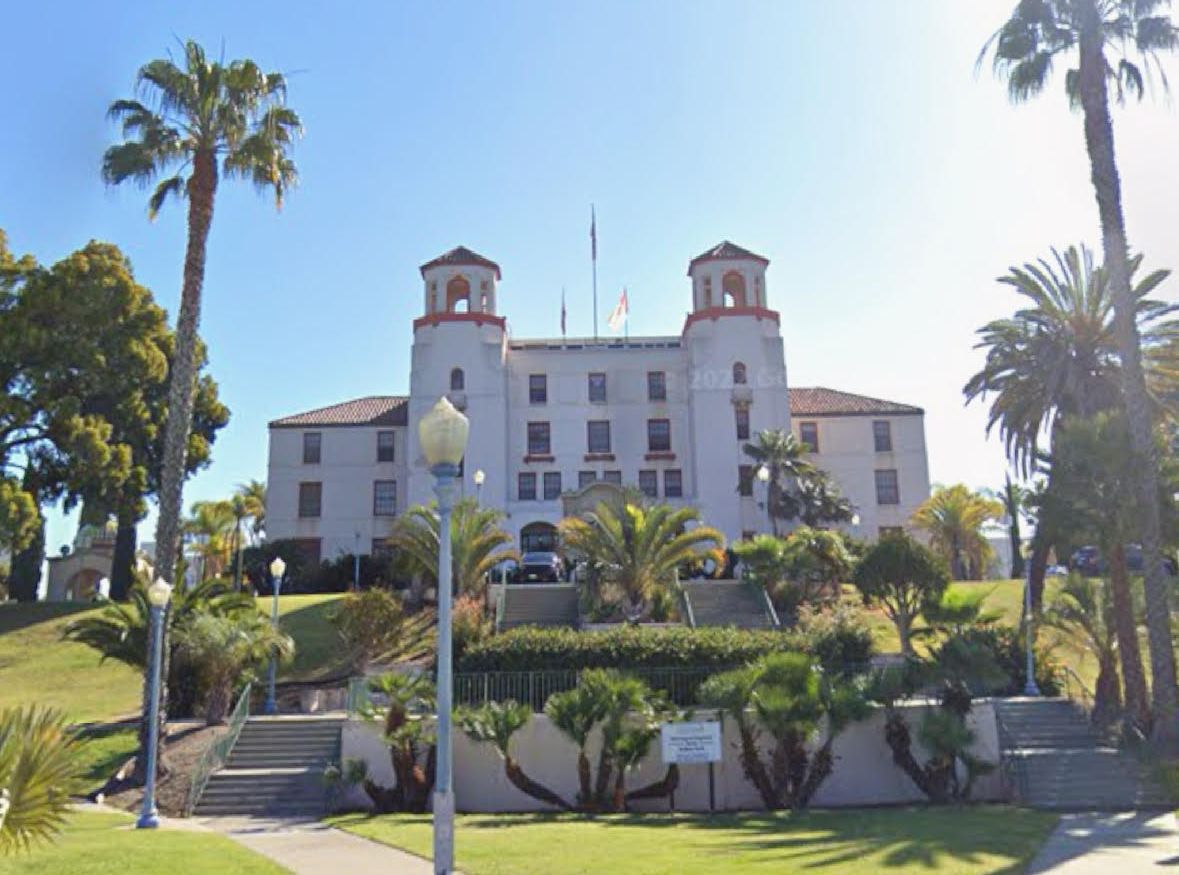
(656, 386)
(552, 485)
(808, 433)
(310, 500)
(882, 435)
(614, 477)
(597, 432)
(385, 498)
(312, 444)
(742, 423)
(597, 388)
(538, 389)
(384, 446)
(658, 435)
(673, 483)
(887, 489)
(526, 486)
(745, 480)
(649, 483)
(585, 478)
(539, 441)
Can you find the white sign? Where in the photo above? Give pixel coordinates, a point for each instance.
(691, 742)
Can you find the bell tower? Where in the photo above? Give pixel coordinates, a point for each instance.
(459, 350)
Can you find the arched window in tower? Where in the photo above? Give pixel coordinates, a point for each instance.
(458, 295)
(458, 380)
(733, 285)
(739, 373)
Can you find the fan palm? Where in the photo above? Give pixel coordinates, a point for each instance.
(784, 457)
(639, 549)
(953, 518)
(39, 770)
(248, 503)
(477, 543)
(1113, 42)
(1083, 610)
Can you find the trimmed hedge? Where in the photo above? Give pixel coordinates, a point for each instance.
(534, 649)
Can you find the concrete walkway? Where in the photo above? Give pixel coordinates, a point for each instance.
(312, 848)
(1110, 844)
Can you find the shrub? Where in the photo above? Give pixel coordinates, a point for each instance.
(468, 622)
(1004, 645)
(903, 577)
(627, 647)
(839, 638)
(374, 627)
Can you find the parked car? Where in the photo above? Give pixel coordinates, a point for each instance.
(1089, 561)
(541, 567)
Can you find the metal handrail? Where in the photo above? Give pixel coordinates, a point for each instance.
(777, 624)
(217, 754)
(1087, 699)
(1012, 768)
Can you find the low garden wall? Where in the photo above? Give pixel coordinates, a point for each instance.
(864, 772)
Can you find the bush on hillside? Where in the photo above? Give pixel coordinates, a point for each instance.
(840, 638)
(1005, 669)
(304, 576)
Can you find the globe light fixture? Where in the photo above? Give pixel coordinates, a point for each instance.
(159, 593)
(479, 477)
(277, 568)
(443, 434)
(763, 474)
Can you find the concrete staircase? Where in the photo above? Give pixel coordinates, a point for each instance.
(728, 603)
(539, 604)
(1060, 764)
(275, 769)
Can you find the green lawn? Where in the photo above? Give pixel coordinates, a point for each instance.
(931, 841)
(106, 844)
(104, 750)
(317, 645)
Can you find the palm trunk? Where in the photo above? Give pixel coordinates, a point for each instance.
(1127, 632)
(1099, 142)
(202, 186)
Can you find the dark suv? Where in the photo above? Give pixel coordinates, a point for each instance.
(1089, 561)
(541, 567)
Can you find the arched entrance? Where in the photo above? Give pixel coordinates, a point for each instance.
(539, 537)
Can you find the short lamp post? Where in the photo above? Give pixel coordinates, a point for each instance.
(443, 434)
(479, 477)
(277, 569)
(158, 596)
(1030, 688)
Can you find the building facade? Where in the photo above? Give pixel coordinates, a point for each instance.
(549, 417)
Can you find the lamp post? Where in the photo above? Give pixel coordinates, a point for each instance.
(443, 434)
(763, 477)
(1030, 688)
(158, 595)
(277, 568)
(479, 478)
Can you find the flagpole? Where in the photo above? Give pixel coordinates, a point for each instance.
(594, 260)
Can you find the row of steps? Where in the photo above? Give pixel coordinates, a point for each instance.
(1062, 764)
(539, 604)
(275, 769)
(727, 603)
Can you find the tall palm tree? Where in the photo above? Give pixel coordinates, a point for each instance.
(1113, 42)
(477, 543)
(211, 528)
(953, 517)
(191, 123)
(1015, 499)
(784, 456)
(253, 494)
(639, 549)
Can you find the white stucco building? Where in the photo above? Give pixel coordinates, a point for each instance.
(668, 414)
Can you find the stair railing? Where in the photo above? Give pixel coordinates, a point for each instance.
(773, 614)
(1012, 767)
(686, 601)
(1074, 684)
(217, 754)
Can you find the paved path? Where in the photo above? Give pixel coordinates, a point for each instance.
(312, 848)
(1110, 844)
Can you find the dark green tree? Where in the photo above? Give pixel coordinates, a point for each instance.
(903, 577)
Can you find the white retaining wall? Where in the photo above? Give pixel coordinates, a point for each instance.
(864, 772)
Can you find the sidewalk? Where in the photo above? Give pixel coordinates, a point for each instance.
(1110, 844)
(312, 848)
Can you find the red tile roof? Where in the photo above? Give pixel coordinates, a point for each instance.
(726, 250)
(462, 255)
(818, 401)
(373, 410)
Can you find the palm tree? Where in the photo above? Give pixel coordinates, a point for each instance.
(40, 769)
(639, 549)
(1111, 39)
(477, 543)
(1015, 500)
(1083, 610)
(212, 527)
(784, 457)
(954, 517)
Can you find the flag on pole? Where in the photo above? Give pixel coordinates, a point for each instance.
(619, 313)
(562, 311)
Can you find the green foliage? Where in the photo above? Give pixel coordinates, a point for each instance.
(408, 699)
(840, 638)
(954, 517)
(534, 649)
(1083, 610)
(638, 550)
(495, 723)
(903, 577)
(960, 609)
(992, 660)
(469, 623)
(39, 769)
(19, 519)
(374, 627)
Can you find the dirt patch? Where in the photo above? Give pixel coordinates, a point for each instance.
(183, 752)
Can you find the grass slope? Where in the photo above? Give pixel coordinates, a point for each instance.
(106, 844)
(931, 841)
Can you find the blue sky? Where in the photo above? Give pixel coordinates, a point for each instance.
(851, 143)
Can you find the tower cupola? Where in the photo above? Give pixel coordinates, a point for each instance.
(728, 277)
(460, 281)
